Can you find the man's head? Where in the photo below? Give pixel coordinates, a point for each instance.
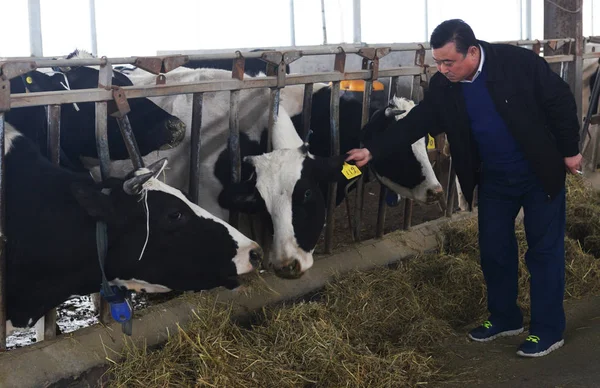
(455, 50)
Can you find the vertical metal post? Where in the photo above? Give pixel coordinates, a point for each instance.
(382, 208)
(451, 191)
(3, 277)
(307, 109)
(528, 19)
(334, 123)
(35, 28)
(426, 6)
(357, 21)
(292, 24)
(234, 148)
(360, 183)
(273, 115)
(93, 36)
(53, 146)
(104, 81)
(195, 147)
(408, 203)
(233, 142)
(324, 21)
(130, 142)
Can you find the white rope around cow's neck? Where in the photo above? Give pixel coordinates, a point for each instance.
(67, 86)
(147, 211)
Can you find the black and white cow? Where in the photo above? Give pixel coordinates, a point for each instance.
(286, 182)
(408, 172)
(153, 128)
(157, 239)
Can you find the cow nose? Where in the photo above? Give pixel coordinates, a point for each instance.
(256, 256)
(289, 271)
(435, 194)
(176, 128)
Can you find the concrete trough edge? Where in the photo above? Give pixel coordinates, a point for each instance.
(71, 356)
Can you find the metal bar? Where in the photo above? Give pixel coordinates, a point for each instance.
(292, 24)
(3, 277)
(93, 30)
(53, 136)
(307, 109)
(356, 21)
(334, 121)
(53, 147)
(195, 147)
(451, 191)
(35, 27)
(130, 142)
(528, 20)
(305, 50)
(360, 183)
(382, 206)
(233, 144)
(273, 115)
(408, 203)
(104, 84)
(93, 95)
(324, 21)
(426, 22)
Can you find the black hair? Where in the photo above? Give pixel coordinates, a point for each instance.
(453, 30)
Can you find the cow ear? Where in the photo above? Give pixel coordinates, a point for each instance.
(327, 169)
(37, 81)
(97, 204)
(242, 197)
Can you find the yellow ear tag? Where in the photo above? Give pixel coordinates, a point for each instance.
(350, 171)
(29, 80)
(430, 143)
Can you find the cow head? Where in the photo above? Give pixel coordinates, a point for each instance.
(159, 240)
(152, 127)
(286, 183)
(408, 172)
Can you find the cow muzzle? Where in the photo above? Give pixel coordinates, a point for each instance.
(256, 257)
(290, 270)
(176, 129)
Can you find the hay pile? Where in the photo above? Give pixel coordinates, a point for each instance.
(583, 215)
(386, 327)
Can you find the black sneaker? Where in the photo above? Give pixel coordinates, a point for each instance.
(535, 346)
(487, 332)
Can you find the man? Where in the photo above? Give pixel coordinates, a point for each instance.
(513, 130)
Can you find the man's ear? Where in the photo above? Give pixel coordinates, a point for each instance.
(96, 204)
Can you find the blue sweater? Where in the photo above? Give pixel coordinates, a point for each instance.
(498, 149)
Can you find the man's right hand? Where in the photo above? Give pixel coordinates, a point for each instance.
(361, 156)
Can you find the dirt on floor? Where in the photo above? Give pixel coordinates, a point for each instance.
(394, 219)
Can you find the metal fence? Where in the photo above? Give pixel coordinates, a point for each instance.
(276, 79)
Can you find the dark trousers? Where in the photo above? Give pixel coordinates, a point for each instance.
(501, 196)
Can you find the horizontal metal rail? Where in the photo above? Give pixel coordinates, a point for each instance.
(233, 54)
(98, 95)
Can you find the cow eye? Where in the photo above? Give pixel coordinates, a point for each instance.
(307, 194)
(175, 216)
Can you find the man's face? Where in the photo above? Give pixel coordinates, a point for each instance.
(453, 64)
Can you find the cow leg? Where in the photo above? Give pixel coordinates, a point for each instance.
(39, 329)
(462, 202)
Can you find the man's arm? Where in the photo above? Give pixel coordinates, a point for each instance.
(422, 119)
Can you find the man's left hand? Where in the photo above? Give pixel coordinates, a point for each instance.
(573, 164)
